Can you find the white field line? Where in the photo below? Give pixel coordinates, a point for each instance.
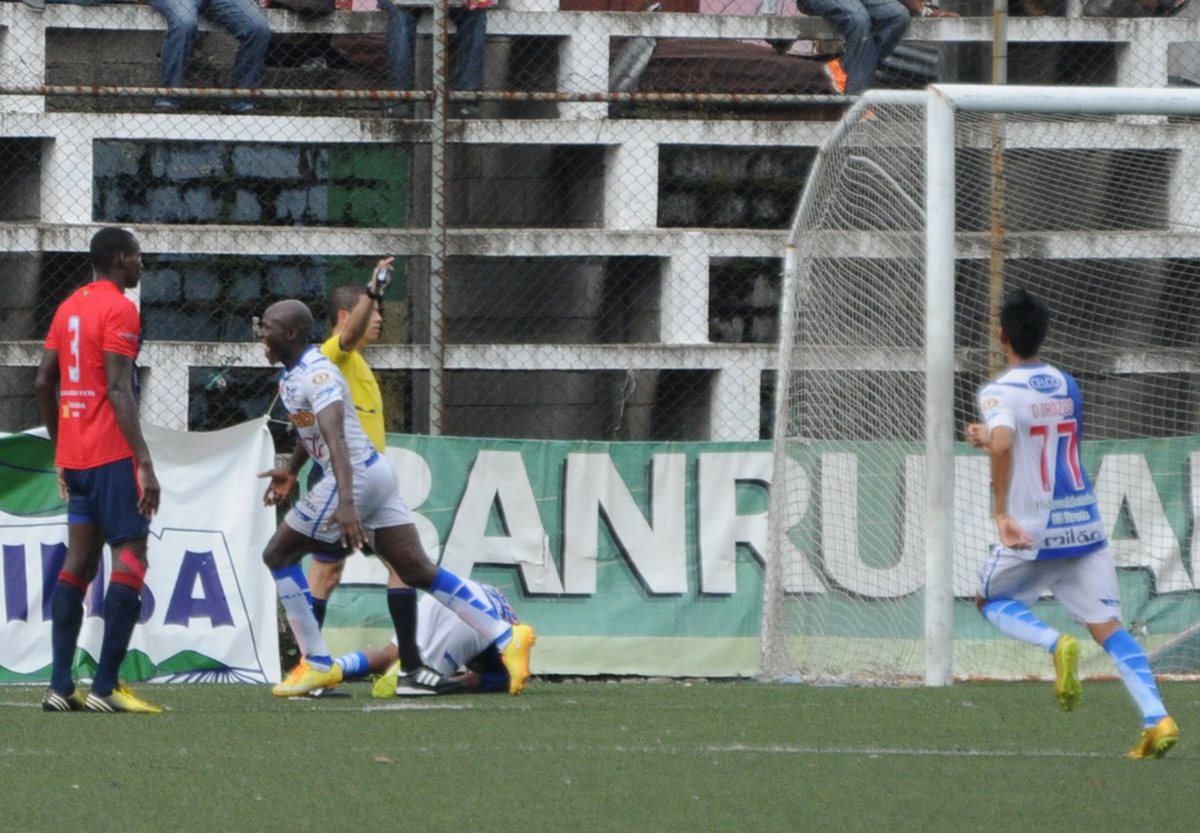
(660, 749)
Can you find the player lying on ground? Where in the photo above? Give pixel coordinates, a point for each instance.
(466, 661)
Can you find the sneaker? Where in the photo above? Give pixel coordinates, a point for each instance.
(1156, 741)
(52, 701)
(121, 701)
(1067, 688)
(304, 678)
(385, 687)
(167, 105)
(516, 658)
(424, 681)
(837, 75)
(35, 5)
(237, 106)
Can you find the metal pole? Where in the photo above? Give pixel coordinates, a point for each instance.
(997, 231)
(437, 223)
(939, 390)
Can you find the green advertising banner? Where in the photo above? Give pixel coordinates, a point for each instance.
(647, 558)
(627, 558)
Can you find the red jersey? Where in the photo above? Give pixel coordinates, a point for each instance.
(94, 320)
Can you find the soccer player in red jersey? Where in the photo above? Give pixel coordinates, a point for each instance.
(85, 393)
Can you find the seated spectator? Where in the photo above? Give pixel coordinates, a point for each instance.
(241, 18)
(466, 74)
(1163, 8)
(1149, 8)
(872, 29)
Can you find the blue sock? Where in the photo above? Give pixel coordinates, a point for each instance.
(1134, 668)
(66, 612)
(353, 665)
(1015, 619)
(122, 605)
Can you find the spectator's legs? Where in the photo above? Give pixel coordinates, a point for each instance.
(183, 21)
(890, 21)
(245, 21)
(851, 19)
(401, 45)
(469, 40)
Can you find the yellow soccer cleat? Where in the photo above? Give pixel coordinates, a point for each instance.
(52, 701)
(1156, 741)
(304, 678)
(121, 701)
(1067, 688)
(516, 657)
(385, 687)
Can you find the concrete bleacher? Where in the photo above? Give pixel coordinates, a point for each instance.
(625, 221)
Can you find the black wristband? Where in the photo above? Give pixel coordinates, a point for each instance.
(375, 296)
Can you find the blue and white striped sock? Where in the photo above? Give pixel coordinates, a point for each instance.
(1015, 619)
(477, 612)
(353, 665)
(1134, 667)
(292, 587)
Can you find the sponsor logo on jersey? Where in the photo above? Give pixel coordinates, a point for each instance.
(1043, 382)
(1069, 537)
(320, 378)
(990, 403)
(302, 419)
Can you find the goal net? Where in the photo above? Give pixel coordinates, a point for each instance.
(921, 211)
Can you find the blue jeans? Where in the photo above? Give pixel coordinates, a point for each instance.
(872, 29)
(241, 18)
(467, 66)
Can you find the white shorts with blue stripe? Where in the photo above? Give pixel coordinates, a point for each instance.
(375, 496)
(1085, 586)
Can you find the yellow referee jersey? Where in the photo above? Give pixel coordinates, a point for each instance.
(364, 390)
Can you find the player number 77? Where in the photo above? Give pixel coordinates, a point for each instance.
(1070, 430)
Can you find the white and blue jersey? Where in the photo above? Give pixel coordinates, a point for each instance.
(1050, 494)
(308, 387)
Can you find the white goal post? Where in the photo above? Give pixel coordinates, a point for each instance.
(921, 209)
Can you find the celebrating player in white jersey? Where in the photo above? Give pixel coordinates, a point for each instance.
(464, 658)
(357, 504)
(1051, 534)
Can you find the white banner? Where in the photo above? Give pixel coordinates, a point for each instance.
(208, 607)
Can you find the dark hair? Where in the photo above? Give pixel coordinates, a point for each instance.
(107, 243)
(343, 298)
(1024, 320)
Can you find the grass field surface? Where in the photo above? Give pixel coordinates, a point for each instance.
(601, 756)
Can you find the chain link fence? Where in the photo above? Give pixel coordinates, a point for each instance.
(587, 208)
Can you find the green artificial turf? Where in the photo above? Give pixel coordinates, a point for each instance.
(600, 756)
